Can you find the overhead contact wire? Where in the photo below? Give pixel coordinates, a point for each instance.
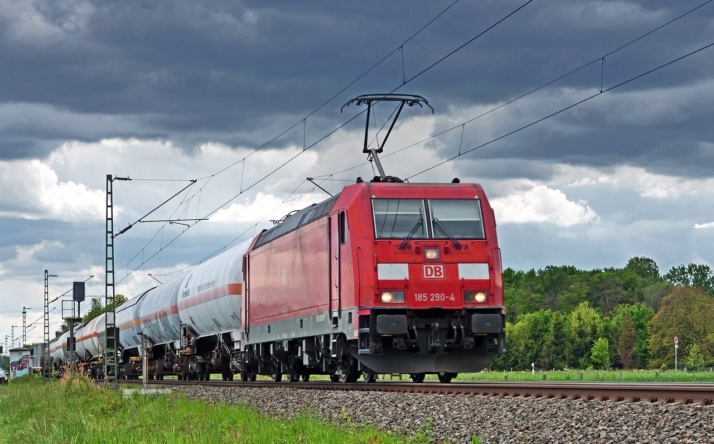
(534, 90)
(632, 79)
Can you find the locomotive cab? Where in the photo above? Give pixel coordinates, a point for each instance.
(434, 301)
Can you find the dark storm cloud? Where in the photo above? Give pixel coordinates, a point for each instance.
(241, 72)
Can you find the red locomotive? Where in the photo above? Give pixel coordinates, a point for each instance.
(386, 277)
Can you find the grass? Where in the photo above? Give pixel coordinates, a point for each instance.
(74, 410)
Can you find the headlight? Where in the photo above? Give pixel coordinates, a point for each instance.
(432, 253)
(475, 297)
(392, 297)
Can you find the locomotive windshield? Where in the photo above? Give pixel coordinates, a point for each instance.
(399, 218)
(456, 218)
(448, 219)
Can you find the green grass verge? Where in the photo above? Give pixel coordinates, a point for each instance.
(73, 410)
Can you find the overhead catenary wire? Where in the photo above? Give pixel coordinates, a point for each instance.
(218, 251)
(535, 122)
(337, 94)
(193, 181)
(536, 89)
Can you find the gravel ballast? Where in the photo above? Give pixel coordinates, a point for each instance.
(457, 418)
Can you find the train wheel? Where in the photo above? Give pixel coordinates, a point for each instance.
(253, 377)
(244, 376)
(335, 378)
(417, 377)
(446, 377)
(305, 377)
(276, 373)
(349, 378)
(369, 377)
(294, 376)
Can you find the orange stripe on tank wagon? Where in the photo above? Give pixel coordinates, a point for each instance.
(160, 314)
(211, 295)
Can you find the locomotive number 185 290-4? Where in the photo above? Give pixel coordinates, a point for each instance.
(433, 297)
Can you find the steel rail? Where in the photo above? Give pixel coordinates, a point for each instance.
(686, 393)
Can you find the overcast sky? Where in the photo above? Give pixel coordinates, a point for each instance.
(588, 123)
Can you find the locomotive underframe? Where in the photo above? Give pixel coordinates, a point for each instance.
(390, 341)
(431, 340)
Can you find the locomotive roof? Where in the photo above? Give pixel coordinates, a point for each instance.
(296, 220)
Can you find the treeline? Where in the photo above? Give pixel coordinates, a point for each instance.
(563, 317)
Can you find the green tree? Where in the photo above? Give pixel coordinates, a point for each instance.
(583, 329)
(600, 354)
(552, 283)
(554, 346)
(654, 292)
(640, 315)
(626, 341)
(644, 267)
(688, 313)
(529, 335)
(95, 309)
(613, 287)
(695, 359)
(519, 293)
(693, 275)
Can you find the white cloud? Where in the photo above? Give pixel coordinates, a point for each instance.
(541, 204)
(28, 24)
(704, 226)
(32, 190)
(646, 184)
(598, 14)
(263, 207)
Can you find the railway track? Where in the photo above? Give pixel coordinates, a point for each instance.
(618, 392)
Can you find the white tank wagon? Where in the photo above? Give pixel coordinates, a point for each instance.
(128, 321)
(58, 349)
(160, 326)
(87, 342)
(209, 304)
(80, 346)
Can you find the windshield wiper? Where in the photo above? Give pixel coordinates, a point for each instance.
(417, 225)
(439, 225)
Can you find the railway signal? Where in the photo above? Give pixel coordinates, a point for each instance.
(676, 349)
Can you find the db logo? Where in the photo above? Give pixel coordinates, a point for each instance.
(433, 272)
